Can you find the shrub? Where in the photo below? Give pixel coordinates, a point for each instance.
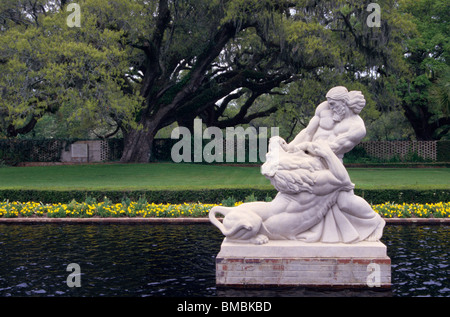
(228, 202)
(214, 196)
(443, 151)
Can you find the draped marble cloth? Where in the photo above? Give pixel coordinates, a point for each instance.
(340, 227)
(330, 224)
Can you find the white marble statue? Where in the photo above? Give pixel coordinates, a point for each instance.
(336, 121)
(315, 200)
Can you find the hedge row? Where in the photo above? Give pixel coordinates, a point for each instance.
(213, 195)
(443, 151)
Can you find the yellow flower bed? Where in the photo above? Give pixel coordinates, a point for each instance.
(102, 209)
(144, 209)
(392, 210)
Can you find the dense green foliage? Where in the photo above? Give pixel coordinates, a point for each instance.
(49, 67)
(425, 93)
(443, 150)
(135, 67)
(217, 195)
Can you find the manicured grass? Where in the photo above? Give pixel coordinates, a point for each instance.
(400, 178)
(130, 176)
(192, 176)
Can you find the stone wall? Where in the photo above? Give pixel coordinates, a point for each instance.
(111, 150)
(390, 149)
(297, 263)
(86, 151)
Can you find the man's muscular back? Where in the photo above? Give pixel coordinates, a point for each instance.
(342, 135)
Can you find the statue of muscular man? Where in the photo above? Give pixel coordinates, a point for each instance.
(336, 121)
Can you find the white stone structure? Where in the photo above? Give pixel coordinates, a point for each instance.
(294, 263)
(315, 205)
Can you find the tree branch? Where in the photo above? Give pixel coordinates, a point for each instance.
(12, 131)
(235, 121)
(107, 136)
(152, 48)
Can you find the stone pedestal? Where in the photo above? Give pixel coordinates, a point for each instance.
(295, 263)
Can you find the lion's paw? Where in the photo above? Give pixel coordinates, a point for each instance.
(260, 239)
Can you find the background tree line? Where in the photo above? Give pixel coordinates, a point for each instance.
(136, 68)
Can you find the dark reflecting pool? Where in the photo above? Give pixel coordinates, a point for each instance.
(179, 260)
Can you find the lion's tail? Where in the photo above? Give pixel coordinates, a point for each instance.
(223, 211)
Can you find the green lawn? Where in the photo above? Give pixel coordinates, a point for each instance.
(399, 178)
(166, 175)
(129, 176)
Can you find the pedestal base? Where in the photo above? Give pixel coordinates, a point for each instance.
(295, 263)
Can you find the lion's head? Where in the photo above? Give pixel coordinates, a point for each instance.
(290, 172)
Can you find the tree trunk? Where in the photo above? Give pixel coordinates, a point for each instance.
(137, 147)
(138, 143)
(423, 133)
(422, 129)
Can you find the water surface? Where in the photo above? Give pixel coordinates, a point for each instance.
(179, 261)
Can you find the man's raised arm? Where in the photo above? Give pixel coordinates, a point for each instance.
(307, 134)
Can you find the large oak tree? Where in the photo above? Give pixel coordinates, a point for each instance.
(138, 66)
(425, 93)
